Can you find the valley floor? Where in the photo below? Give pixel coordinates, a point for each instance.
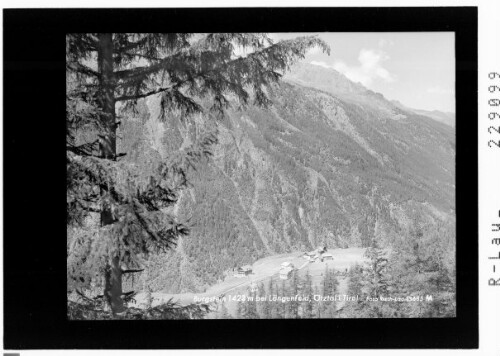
(262, 270)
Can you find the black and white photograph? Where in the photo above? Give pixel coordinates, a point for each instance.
(270, 175)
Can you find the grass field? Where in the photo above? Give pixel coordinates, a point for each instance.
(264, 269)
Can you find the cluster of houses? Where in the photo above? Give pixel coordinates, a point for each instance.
(318, 254)
(287, 268)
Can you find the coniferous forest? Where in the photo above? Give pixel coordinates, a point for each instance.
(414, 282)
(191, 156)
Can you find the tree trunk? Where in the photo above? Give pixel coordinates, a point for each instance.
(113, 275)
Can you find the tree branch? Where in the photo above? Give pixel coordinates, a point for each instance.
(83, 296)
(86, 149)
(132, 271)
(131, 74)
(128, 296)
(92, 210)
(131, 45)
(80, 68)
(142, 56)
(139, 96)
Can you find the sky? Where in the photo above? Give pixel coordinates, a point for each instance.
(415, 68)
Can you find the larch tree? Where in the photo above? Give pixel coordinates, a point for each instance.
(354, 289)
(263, 307)
(307, 291)
(376, 269)
(355, 280)
(110, 72)
(251, 310)
(330, 286)
(293, 290)
(376, 283)
(423, 265)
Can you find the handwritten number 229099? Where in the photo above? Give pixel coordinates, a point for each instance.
(494, 102)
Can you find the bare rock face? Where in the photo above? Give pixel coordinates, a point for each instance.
(330, 163)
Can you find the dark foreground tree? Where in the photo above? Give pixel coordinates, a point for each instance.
(117, 210)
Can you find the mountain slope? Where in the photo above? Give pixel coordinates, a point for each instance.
(447, 118)
(333, 164)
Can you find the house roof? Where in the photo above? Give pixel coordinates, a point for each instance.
(286, 270)
(327, 255)
(286, 264)
(246, 267)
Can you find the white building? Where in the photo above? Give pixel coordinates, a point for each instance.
(327, 256)
(286, 272)
(243, 271)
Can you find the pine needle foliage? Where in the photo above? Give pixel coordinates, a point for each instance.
(119, 211)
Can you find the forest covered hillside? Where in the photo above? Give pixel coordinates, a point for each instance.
(329, 163)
